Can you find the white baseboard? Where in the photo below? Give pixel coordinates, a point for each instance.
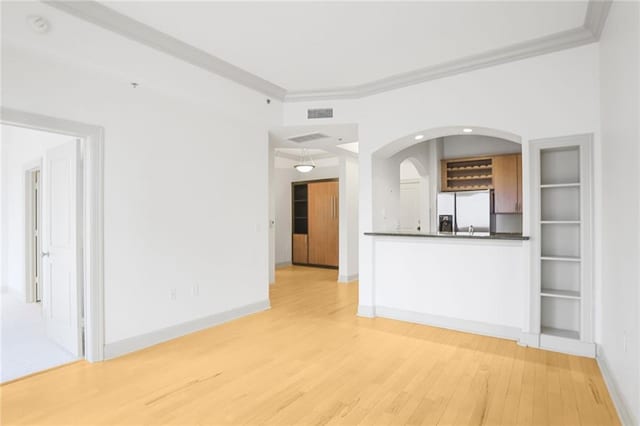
(283, 265)
(132, 344)
(366, 311)
(626, 416)
(493, 330)
(529, 339)
(347, 278)
(567, 346)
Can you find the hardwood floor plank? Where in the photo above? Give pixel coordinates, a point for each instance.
(311, 360)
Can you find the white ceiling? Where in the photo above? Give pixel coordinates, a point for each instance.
(85, 45)
(337, 134)
(319, 45)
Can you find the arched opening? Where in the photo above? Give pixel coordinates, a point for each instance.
(412, 173)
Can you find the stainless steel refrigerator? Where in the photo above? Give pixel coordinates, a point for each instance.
(465, 212)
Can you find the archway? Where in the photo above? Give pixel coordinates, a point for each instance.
(395, 198)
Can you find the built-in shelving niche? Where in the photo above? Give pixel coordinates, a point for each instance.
(560, 242)
(561, 232)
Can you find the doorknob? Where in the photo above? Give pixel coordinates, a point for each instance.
(45, 254)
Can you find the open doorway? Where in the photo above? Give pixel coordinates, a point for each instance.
(414, 198)
(42, 275)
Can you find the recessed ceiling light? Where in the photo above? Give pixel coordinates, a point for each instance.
(38, 24)
(418, 137)
(467, 130)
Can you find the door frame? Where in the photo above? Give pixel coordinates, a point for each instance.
(93, 216)
(29, 249)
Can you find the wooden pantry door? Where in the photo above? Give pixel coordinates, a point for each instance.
(324, 216)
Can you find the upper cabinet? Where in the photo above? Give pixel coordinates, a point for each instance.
(502, 173)
(465, 174)
(507, 183)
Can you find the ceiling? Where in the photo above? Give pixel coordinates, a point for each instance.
(301, 50)
(337, 135)
(314, 45)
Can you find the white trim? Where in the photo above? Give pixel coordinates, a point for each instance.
(27, 170)
(283, 265)
(625, 414)
(347, 278)
(109, 19)
(531, 340)
(93, 227)
(539, 46)
(136, 343)
(366, 311)
(596, 17)
(567, 346)
(468, 326)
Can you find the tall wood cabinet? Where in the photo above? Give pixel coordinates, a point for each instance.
(507, 183)
(315, 223)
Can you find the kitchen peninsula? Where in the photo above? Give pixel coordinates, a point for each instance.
(473, 268)
(467, 268)
(461, 235)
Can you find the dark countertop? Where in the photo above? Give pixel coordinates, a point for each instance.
(461, 235)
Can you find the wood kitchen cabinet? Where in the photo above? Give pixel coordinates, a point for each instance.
(315, 223)
(507, 183)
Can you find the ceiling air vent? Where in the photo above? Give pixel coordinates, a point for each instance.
(320, 113)
(308, 138)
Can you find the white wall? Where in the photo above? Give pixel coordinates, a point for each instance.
(471, 145)
(451, 281)
(544, 96)
(620, 96)
(180, 211)
(21, 148)
(349, 230)
(283, 177)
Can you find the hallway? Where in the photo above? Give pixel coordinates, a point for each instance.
(24, 347)
(310, 360)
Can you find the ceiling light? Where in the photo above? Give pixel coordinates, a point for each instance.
(305, 166)
(467, 130)
(418, 137)
(38, 24)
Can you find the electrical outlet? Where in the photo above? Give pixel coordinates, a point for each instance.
(196, 289)
(174, 294)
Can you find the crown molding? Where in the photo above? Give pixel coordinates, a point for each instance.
(109, 19)
(597, 12)
(540, 46)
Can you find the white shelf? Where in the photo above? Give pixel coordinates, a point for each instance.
(559, 332)
(560, 222)
(560, 203)
(561, 259)
(561, 185)
(561, 199)
(563, 294)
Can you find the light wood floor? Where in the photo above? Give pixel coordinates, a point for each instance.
(310, 360)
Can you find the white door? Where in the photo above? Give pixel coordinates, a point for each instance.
(61, 247)
(410, 206)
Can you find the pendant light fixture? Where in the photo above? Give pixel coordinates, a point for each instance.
(305, 165)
